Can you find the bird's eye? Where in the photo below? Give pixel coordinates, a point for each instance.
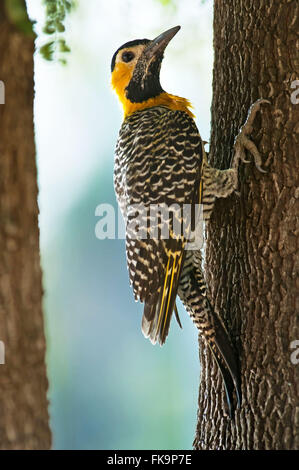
(127, 56)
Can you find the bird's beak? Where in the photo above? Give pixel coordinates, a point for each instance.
(158, 45)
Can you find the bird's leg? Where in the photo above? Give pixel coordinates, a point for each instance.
(243, 142)
(222, 183)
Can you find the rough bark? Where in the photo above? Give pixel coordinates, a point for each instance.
(23, 382)
(251, 242)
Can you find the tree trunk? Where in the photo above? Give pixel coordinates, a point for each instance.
(251, 240)
(23, 381)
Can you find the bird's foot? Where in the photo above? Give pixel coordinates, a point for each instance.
(243, 141)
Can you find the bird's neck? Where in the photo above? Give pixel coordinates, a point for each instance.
(122, 76)
(173, 102)
(163, 99)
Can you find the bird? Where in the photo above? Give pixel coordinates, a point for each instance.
(161, 168)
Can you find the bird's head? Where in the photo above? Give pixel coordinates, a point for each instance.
(135, 69)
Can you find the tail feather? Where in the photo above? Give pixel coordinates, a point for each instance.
(177, 315)
(157, 315)
(227, 360)
(193, 294)
(227, 382)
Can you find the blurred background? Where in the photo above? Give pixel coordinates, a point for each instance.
(109, 387)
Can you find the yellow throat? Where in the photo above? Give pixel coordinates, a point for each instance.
(121, 77)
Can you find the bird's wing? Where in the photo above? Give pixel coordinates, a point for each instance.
(163, 171)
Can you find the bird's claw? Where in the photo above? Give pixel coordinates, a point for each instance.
(243, 142)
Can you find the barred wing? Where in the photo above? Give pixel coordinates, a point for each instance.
(159, 161)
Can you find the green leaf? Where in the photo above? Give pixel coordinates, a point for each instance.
(48, 28)
(47, 50)
(63, 47)
(56, 11)
(59, 27)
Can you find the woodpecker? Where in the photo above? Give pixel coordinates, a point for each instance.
(160, 160)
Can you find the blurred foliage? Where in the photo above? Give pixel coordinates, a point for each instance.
(168, 3)
(17, 14)
(173, 3)
(56, 12)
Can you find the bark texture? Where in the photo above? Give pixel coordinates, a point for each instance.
(23, 382)
(251, 260)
